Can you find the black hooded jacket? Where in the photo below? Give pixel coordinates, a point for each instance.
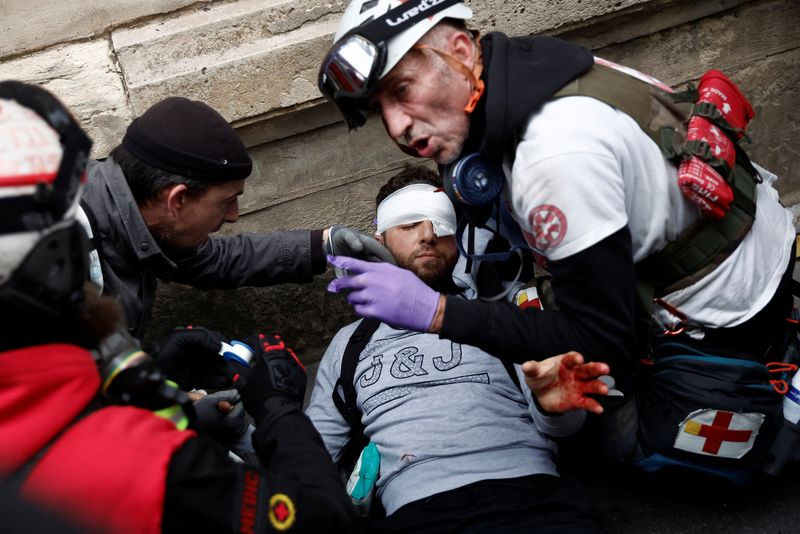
(594, 289)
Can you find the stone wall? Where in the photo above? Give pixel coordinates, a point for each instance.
(256, 62)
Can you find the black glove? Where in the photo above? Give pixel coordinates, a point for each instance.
(190, 357)
(223, 427)
(344, 241)
(275, 383)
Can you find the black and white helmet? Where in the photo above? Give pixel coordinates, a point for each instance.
(361, 12)
(43, 156)
(373, 36)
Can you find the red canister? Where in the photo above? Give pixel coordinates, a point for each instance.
(717, 89)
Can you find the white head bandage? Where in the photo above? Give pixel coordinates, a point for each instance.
(415, 203)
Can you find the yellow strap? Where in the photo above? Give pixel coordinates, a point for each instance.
(133, 356)
(175, 415)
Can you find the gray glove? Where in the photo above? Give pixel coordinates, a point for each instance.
(223, 427)
(344, 241)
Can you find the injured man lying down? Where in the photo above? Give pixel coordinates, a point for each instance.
(459, 438)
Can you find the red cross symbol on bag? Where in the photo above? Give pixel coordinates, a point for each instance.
(718, 433)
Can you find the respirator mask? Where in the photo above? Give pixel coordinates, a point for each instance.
(476, 188)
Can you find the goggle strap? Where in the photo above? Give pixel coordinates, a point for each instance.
(380, 29)
(23, 214)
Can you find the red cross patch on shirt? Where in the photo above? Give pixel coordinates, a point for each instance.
(548, 227)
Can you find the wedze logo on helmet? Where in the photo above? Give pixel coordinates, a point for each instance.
(361, 52)
(424, 5)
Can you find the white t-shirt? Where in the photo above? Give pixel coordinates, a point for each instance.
(583, 170)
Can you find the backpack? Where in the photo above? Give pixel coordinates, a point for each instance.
(685, 409)
(695, 412)
(344, 392)
(663, 117)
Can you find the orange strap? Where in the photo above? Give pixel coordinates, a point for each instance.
(474, 76)
(781, 387)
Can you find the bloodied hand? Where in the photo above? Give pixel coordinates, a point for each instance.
(564, 382)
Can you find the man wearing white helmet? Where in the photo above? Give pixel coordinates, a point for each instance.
(90, 427)
(573, 170)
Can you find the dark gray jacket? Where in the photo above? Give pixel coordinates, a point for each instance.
(133, 262)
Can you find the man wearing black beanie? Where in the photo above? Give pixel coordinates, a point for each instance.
(176, 178)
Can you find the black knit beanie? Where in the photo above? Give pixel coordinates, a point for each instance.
(190, 139)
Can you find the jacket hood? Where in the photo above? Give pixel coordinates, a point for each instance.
(521, 74)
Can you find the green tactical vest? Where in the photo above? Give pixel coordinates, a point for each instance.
(663, 116)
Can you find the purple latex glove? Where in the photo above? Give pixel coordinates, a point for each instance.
(386, 292)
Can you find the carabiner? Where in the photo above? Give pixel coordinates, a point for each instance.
(683, 321)
(781, 387)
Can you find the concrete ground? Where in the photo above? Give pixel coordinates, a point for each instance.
(631, 505)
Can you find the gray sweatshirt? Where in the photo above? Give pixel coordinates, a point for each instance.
(442, 415)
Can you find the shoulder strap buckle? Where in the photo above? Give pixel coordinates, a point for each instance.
(712, 113)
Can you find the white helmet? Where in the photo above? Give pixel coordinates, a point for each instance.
(43, 155)
(360, 12)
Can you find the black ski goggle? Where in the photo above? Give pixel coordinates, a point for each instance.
(348, 73)
(353, 65)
